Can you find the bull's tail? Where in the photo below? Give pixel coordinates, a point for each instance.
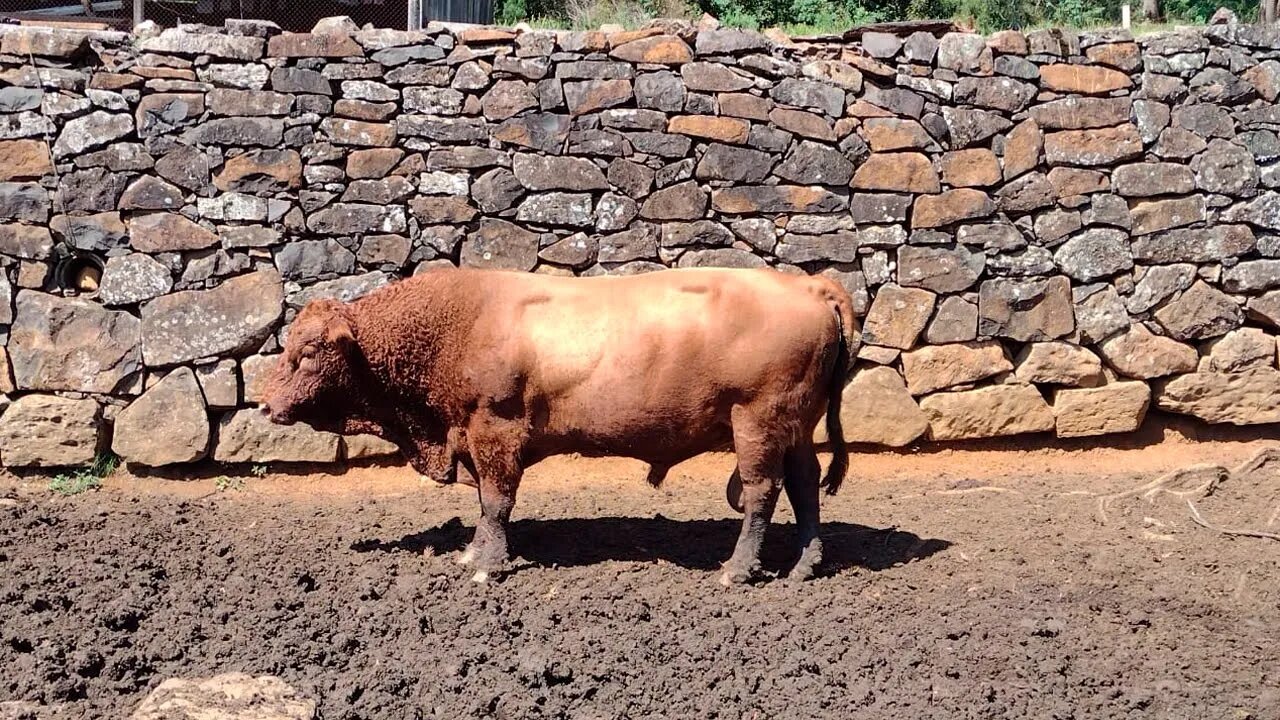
(847, 342)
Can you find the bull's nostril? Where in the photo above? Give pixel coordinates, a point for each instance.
(265, 409)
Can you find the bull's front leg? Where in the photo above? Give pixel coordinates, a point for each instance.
(496, 457)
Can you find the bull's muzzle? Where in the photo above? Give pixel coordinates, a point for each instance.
(275, 416)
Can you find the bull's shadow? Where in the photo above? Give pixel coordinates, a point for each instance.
(690, 544)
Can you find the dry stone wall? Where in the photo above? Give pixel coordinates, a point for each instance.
(1044, 233)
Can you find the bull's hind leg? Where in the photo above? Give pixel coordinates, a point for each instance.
(760, 464)
(803, 471)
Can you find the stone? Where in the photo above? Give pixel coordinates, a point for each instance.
(1117, 407)
(357, 218)
(1152, 118)
(558, 208)
(93, 190)
(721, 258)
(372, 163)
(1199, 313)
(341, 131)
(343, 289)
(937, 367)
(638, 243)
(996, 93)
(840, 74)
(133, 278)
(875, 408)
(811, 163)
(829, 247)
(168, 232)
(1225, 168)
(713, 77)
(1244, 398)
(391, 190)
(229, 101)
(996, 411)
(180, 42)
(1099, 312)
(1157, 284)
(1152, 178)
(949, 207)
(1094, 253)
(920, 47)
(305, 45)
(1242, 349)
(955, 320)
(71, 344)
(237, 131)
(992, 236)
(1026, 310)
(1026, 193)
(24, 201)
(885, 134)
(1055, 225)
(497, 190)
(1178, 144)
(660, 91)
(805, 124)
(1219, 85)
(299, 80)
(576, 251)
(174, 404)
(539, 172)
(1151, 216)
(595, 95)
(682, 201)
(730, 42)
(898, 172)
(1083, 79)
(248, 436)
(1252, 276)
(185, 167)
(1207, 121)
(1140, 354)
(878, 207)
(1058, 363)
(24, 159)
(151, 193)
(505, 99)
(49, 431)
(501, 245)
(710, 127)
(965, 53)
(897, 316)
(977, 167)
(809, 94)
(748, 199)
(25, 241)
(231, 319)
(727, 162)
(661, 144)
(615, 212)
(1123, 56)
(970, 126)
(744, 105)
(1094, 147)
(656, 50)
(940, 269)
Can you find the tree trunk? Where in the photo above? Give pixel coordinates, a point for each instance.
(1151, 9)
(1267, 11)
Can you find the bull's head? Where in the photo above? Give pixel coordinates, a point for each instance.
(315, 380)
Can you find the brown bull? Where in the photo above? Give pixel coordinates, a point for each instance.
(501, 369)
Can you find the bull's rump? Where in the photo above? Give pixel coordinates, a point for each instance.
(652, 365)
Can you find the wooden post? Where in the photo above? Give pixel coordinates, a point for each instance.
(1124, 16)
(415, 15)
(139, 12)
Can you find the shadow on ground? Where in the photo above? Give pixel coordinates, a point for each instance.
(690, 544)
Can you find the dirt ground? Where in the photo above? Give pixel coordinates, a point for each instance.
(989, 581)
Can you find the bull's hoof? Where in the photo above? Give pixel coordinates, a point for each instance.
(467, 556)
(729, 578)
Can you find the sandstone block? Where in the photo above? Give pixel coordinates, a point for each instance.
(1244, 398)
(1058, 363)
(1026, 310)
(71, 344)
(1140, 354)
(898, 172)
(49, 431)
(897, 316)
(995, 411)
(174, 404)
(876, 408)
(1112, 408)
(937, 367)
(246, 436)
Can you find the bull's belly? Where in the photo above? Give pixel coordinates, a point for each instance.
(656, 435)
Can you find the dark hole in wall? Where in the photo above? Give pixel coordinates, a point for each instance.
(80, 272)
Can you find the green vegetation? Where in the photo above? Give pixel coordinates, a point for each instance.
(86, 478)
(226, 484)
(814, 16)
(258, 470)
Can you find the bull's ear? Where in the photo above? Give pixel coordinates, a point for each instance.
(339, 334)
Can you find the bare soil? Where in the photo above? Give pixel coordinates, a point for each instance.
(990, 581)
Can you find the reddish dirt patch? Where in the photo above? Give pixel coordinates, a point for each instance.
(960, 584)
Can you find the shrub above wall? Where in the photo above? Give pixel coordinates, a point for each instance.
(1044, 232)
